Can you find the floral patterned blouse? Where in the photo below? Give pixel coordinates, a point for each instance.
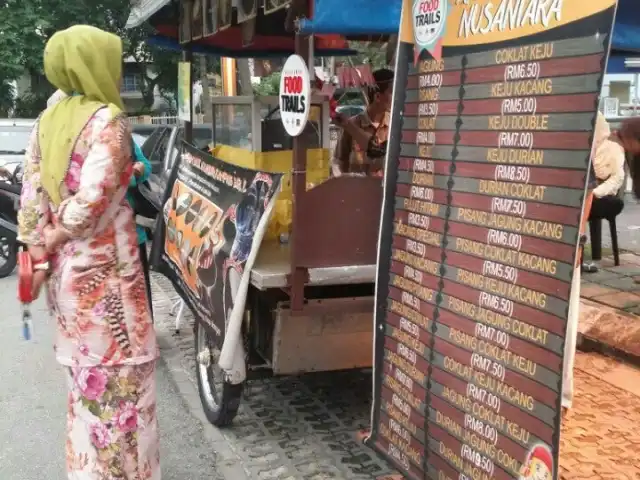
(96, 291)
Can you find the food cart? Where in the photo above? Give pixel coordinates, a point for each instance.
(311, 299)
(469, 357)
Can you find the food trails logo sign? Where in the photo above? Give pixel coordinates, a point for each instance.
(295, 95)
(429, 18)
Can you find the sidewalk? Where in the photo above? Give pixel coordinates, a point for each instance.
(610, 309)
(600, 437)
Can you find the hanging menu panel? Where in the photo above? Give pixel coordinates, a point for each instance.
(415, 263)
(486, 173)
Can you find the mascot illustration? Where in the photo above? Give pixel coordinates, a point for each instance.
(538, 465)
(247, 217)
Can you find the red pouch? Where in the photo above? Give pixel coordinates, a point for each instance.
(25, 277)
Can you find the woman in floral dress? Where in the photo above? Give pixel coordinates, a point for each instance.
(81, 234)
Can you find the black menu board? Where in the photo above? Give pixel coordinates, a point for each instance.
(489, 150)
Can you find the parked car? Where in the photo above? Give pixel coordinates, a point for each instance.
(350, 110)
(161, 148)
(142, 131)
(139, 139)
(14, 137)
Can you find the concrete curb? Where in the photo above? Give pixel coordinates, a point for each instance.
(609, 331)
(588, 344)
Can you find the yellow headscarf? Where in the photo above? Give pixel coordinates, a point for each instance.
(83, 60)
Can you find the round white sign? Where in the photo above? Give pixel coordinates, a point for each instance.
(429, 18)
(295, 95)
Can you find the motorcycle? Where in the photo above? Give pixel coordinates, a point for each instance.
(10, 188)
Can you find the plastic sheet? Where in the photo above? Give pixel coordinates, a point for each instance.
(354, 17)
(626, 31)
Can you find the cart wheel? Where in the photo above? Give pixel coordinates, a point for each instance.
(220, 399)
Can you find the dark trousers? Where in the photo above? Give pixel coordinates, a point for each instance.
(602, 208)
(144, 259)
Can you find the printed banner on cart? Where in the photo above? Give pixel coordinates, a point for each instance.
(488, 157)
(213, 219)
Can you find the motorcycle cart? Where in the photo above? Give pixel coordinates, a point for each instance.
(311, 299)
(310, 302)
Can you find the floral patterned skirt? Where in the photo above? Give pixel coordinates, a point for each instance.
(112, 426)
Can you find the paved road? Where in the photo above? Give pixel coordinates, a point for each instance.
(33, 405)
(291, 428)
(288, 428)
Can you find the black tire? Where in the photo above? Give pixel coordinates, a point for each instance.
(9, 264)
(220, 407)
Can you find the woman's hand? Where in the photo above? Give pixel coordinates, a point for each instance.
(54, 237)
(39, 278)
(138, 169)
(346, 123)
(339, 119)
(38, 253)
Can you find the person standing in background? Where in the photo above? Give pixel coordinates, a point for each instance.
(362, 144)
(628, 137)
(141, 172)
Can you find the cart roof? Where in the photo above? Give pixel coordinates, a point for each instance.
(332, 21)
(271, 37)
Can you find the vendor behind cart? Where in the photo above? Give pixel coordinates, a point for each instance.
(362, 145)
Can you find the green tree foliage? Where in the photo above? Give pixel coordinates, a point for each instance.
(7, 93)
(269, 85)
(19, 45)
(373, 53)
(26, 25)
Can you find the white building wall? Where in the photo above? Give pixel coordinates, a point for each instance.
(622, 78)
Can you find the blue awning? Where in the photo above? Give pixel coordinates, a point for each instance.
(619, 62)
(626, 37)
(626, 31)
(354, 17)
(383, 17)
(625, 43)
